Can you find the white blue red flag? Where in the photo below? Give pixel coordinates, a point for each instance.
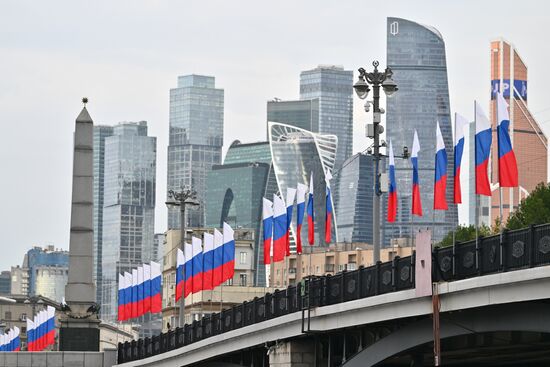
(267, 224)
(460, 123)
(484, 139)
(156, 288)
(128, 295)
(507, 165)
(300, 210)
(180, 273)
(290, 195)
(279, 229)
(328, 209)
(228, 269)
(208, 261)
(188, 269)
(416, 199)
(217, 273)
(310, 214)
(134, 293)
(121, 301)
(440, 184)
(140, 291)
(392, 191)
(197, 264)
(146, 288)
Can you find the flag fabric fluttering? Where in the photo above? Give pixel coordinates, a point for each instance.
(140, 291)
(228, 269)
(416, 199)
(440, 183)
(460, 123)
(156, 288)
(30, 335)
(217, 273)
(180, 274)
(128, 295)
(290, 195)
(279, 229)
(300, 210)
(121, 299)
(197, 264)
(208, 261)
(507, 164)
(310, 214)
(188, 270)
(134, 293)
(392, 191)
(328, 209)
(267, 224)
(483, 139)
(146, 288)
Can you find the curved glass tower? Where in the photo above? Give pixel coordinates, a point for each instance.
(296, 154)
(416, 54)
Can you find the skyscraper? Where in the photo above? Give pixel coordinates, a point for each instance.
(196, 139)
(303, 114)
(48, 272)
(235, 191)
(509, 75)
(129, 205)
(354, 192)
(333, 86)
(100, 133)
(416, 54)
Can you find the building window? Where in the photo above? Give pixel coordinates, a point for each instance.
(243, 280)
(242, 258)
(7, 315)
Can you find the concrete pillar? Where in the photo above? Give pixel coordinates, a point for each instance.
(295, 353)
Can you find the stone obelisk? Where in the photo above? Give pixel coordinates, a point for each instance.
(80, 323)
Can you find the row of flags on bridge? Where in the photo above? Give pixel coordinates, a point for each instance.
(205, 264)
(277, 218)
(507, 165)
(41, 330)
(139, 291)
(10, 341)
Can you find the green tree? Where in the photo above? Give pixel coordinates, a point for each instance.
(463, 234)
(534, 209)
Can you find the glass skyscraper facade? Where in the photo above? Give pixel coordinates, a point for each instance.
(47, 266)
(195, 142)
(416, 54)
(129, 205)
(303, 114)
(354, 190)
(235, 190)
(100, 133)
(333, 87)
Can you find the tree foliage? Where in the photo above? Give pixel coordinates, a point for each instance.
(464, 233)
(534, 209)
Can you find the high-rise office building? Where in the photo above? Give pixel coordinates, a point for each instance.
(234, 194)
(333, 87)
(296, 154)
(196, 139)
(303, 114)
(20, 279)
(158, 246)
(416, 54)
(509, 75)
(5, 282)
(100, 133)
(354, 190)
(478, 205)
(48, 272)
(128, 209)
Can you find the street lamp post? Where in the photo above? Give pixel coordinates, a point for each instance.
(376, 79)
(182, 198)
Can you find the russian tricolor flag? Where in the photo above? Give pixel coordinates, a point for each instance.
(507, 165)
(121, 298)
(392, 192)
(208, 262)
(279, 229)
(310, 214)
(140, 292)
(267, 224)
(146, 288)
(328, 209)
(416, 199)
(135, 296)
(180, 274)
(197, 264)
(156, 288)
(127, 295)
(188, 267)
(30, 336)
(460, 123)
(290, 195)
(228, 267)
(217, 273)
(440, 185)
(484, 139)
(300, 210)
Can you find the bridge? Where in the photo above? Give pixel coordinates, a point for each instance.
(493, 302)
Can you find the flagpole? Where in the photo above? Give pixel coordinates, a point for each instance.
(475, 178)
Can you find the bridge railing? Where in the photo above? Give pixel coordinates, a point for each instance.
(515, 250)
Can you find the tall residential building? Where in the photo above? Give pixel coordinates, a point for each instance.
(303, 114)
(333, 86)
(129, 205)
(48, 272)
(296, 154)
(509, 75)
(158, 246)
(196, 139)
(478, 205)
(5, 282)
(354, 190)
(100, 133)
(416, 54)
(234, 194)
(20, 280)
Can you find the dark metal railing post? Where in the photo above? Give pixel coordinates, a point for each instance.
(479, 264)
(531, 245)
(377, 283)
(503, 242)
(394, 275)
(360, 282)
(413, 269)
(342, 284)
(435, 267)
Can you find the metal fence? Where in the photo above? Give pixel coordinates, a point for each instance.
(518, 249)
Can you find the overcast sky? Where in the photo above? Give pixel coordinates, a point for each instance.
(126, 55)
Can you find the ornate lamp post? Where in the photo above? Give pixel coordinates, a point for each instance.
(182, 198)
(376, 79)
